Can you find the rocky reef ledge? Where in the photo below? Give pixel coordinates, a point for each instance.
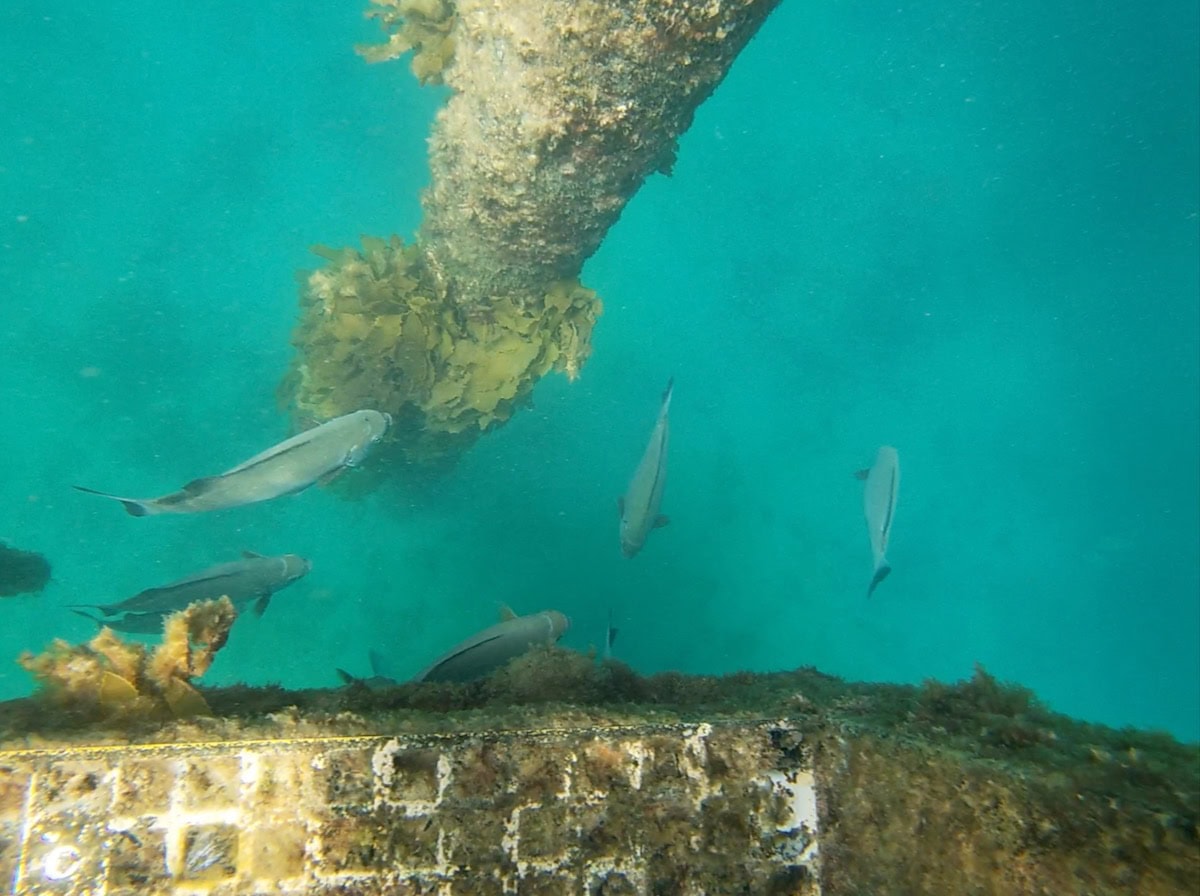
(563, 775)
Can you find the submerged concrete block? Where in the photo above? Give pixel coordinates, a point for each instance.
(688, 808)
(843, 789)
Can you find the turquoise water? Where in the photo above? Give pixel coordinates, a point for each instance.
(971, 233)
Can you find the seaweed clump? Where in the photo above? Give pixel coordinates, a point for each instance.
(108, 678)
(22, 572)
(999, 715)
(378, 328)
(422, 26)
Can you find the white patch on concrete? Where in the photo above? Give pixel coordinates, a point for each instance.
(802, 824)
(61, 862)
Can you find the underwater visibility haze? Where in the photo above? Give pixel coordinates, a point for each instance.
(971, 233)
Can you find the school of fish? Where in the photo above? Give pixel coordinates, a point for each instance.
(320, 454)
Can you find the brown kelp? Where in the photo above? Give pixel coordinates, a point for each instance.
(111, 679)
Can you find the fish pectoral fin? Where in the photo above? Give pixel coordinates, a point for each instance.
(199, 486)
(260, 605)
(861, 475)
(660, 521)
(621, 506)
(333, 474)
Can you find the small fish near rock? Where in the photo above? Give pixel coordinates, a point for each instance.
(315, 455)
(22, 572)
(881, 486)
(252, 579)
(377, 681)
(484, 653)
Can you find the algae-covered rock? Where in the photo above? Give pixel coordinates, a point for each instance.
(379, 329)
(556, 113)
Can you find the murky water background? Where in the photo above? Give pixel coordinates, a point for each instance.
(967, 232)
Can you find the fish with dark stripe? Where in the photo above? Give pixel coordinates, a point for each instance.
(317, 454)
(881, 485)
(254, 578)
(639, 506)
(487, 651)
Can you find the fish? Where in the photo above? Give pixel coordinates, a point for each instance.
(484, 653)
(882, 483)
(131, 623)
(377, 681)
(317, 454)
(22, 572)
(610, 637)
(253, 578)
(639, 506)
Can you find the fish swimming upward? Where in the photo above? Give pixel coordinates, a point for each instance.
(639, 505)
(882, 483)
(484, 653)
(253, 578)
(291, 466)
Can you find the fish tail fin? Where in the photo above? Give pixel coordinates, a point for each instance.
(132, 507)
(881, 573)
(375, 658)
(103, 608)
(346, 677)
(95, 619)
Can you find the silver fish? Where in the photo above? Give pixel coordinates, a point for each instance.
(640, 503)
(879, 505)
(291, 466)
(253, 578)
(484, 653)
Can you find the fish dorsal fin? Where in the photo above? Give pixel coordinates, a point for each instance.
(253, 555)
(862, 475)
(506, 613)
